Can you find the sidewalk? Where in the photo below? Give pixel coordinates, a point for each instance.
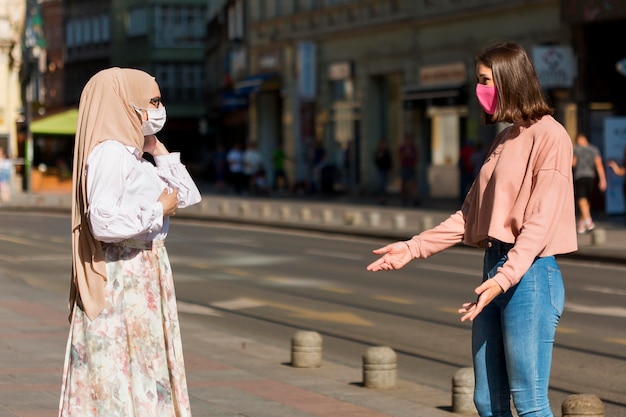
(229, 376)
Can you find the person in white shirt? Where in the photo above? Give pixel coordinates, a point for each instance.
(234, 157)
(124, 352)
(252, 165)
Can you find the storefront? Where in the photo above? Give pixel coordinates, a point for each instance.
(52, 153)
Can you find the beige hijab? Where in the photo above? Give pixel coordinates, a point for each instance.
(105, 112)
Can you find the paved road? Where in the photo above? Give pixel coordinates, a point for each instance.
(229, 375)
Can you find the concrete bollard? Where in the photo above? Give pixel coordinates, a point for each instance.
(399, 221)
(379, 367)
(374, 219)
(353, 218)
(224, 207)
(463, 392)
(305, 214)
(327, 216)
(306, 349)
(598, 237)
(266, 211)
(244, 209)
(582, 405)
(285, 212)
(205, 206)
(427, 223)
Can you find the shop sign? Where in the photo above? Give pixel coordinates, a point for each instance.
(453, 73)
(340, 71)
(555, 66)
(269, 61)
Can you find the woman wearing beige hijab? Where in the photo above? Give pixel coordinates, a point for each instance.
(124, 352)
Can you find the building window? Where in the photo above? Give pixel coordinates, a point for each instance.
(181, 82)
(87, 30)
(104, 25)
(180, 26)
(137, 24)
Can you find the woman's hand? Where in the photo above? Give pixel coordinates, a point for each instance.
(486, 292)
(153, 146)
(395, 256)
(169, 201)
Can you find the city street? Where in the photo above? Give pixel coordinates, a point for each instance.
(264, 284)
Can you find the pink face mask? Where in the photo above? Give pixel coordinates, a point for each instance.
(487, 97)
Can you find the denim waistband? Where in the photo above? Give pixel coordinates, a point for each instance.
(497, 246)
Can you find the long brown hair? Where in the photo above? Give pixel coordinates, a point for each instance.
(520, 99)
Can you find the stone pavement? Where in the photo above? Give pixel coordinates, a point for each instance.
(229, 376)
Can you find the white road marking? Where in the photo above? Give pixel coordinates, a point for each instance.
(600, 311)
(334, 254)
(605, 290)
(184, 307)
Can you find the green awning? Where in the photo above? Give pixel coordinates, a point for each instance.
(57, 124)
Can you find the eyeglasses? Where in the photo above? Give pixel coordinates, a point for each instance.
(156, 101)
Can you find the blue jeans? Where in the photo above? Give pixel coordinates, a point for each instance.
(512, 338)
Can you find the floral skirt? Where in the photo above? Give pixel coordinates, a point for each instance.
(128, 362)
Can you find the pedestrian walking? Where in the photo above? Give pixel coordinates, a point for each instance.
(588, 167)
(253, 168)
(382, 159)
(235, 168)
(6, 165)
(521, 210)
(408, 156)
(620, 170)
(281, 184)
(124, 353)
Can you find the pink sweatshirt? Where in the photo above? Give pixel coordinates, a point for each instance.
(524, 195)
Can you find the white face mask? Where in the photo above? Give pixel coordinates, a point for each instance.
(156, 120)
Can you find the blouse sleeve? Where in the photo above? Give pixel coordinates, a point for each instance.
(175, 174)
(114, 214)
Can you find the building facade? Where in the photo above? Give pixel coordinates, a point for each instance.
(12, 14)
(348, 74)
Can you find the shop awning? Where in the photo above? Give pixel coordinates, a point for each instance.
(416, 93)
(63, 123)
(256, 83)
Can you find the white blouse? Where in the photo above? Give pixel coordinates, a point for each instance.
(122, 191)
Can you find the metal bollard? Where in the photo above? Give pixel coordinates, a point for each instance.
(582, 405)
(379, 367)
(463, 392)
(598, 237)
(306, 349)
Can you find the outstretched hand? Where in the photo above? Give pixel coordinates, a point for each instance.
(486, 292)
(395, 256)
